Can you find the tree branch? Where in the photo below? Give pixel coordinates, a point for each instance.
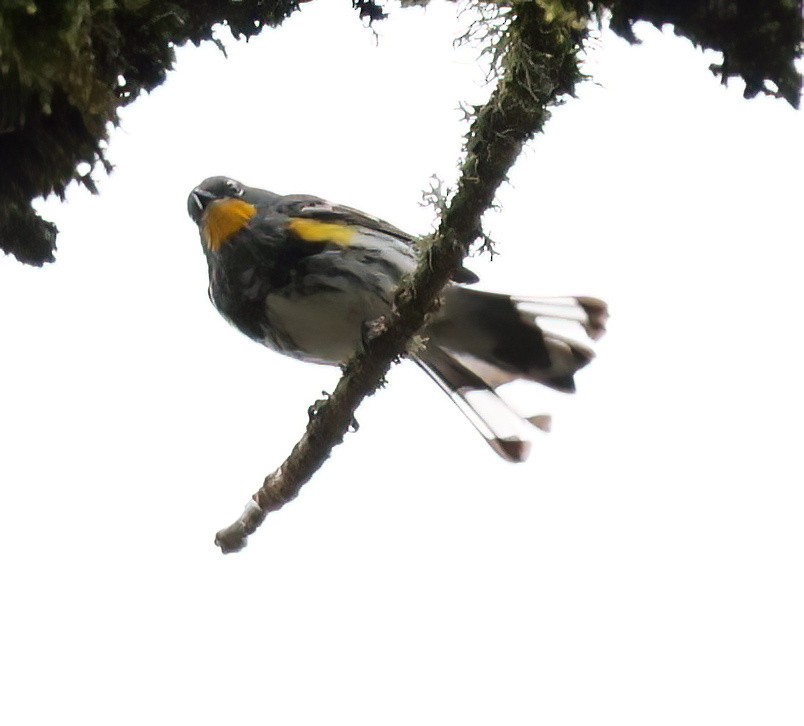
(536, 61)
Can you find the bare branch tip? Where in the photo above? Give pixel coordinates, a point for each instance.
(235, 537)
(232, 538)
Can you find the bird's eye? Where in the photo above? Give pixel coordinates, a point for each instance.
(234, 188)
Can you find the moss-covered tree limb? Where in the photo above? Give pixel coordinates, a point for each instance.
(537, 63)
(760, 39)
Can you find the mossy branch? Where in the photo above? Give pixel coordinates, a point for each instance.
(537, 64)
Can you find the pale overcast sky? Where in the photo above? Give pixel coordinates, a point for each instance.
(644, 567)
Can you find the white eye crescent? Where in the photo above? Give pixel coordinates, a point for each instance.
(234, 188)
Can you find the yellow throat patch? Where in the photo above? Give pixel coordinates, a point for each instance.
(224, 218)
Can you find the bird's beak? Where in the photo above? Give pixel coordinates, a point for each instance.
(201, 198)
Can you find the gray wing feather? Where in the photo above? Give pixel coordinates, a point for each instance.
(310, 207)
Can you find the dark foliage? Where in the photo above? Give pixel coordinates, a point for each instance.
(369, 9)
(67, 66)
(759, 39)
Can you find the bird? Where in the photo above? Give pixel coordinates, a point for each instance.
(304, 277)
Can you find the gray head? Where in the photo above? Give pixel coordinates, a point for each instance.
(224, 187)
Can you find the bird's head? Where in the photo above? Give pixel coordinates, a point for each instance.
(221, 207)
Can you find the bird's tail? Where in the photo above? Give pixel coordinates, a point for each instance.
(494, 419)
(483, 340)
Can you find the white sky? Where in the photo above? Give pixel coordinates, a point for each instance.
(644, 567)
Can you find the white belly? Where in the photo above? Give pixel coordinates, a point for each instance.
(325, 327)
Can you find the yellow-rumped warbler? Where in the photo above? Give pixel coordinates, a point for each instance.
(303, 276)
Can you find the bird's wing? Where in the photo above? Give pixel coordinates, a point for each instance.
(309, 207)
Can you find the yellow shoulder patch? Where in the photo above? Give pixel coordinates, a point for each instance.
(224, 218)
(311, 230)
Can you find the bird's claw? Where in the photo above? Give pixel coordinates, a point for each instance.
(370, 329)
